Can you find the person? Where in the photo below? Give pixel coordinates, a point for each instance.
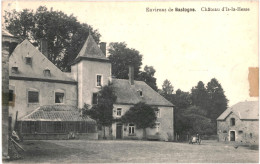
(198, 137)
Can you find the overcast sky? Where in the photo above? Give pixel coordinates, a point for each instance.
(183, 47)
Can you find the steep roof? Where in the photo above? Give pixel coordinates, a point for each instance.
(90, 50)
(38, 65)
(130, 94)
(244, 110)
(56, 113)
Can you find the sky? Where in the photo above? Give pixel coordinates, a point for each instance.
(183, 47)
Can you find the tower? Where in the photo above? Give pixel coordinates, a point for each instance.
(92, 70)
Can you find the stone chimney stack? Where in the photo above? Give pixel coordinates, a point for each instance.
(44, 47)
(131, 74)
(103, 47)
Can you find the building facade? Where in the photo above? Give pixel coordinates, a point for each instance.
(239, 123)
(36, 82)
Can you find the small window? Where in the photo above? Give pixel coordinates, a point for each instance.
(11, 95)
(99, 80)
(224, 131)
(14, 69)
(47, 72)
(28, 60)
(232, 122)
(59, 97)
(118, 111)
(33, 97)
(251, 135)
(95, 98)
(157, 126)
(157, 113)
(240, 131)
(131, 129)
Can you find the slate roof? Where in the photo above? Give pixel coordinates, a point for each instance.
(91, 50)
(244, 110)
(39, 63)
(128, 94)
(56, 113)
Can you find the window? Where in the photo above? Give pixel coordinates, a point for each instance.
(33, 97)
(95, 98)
(157, 126)
(157, 113)
(47, 72)
(11, 95)
(141, 93)
(240, 131)
(251, 135)
(59, 97)
(224, 131)
(118, 111)
(99, 80)
(14, 69)
(232, 122)
(131, 128)
(28, 60)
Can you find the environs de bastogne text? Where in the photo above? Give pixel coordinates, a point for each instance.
(183, 9)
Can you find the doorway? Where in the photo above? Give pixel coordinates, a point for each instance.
(232, 135)
(119, 131)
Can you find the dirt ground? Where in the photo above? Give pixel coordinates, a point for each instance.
(102, 151)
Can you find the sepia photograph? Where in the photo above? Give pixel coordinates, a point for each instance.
(130, 81)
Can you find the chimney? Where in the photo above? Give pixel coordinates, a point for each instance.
(131, 75)
(103, 47)
(44, 47)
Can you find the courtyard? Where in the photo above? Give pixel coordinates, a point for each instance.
(135, 151)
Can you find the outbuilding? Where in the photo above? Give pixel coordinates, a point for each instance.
(57, 122)
(239, 123)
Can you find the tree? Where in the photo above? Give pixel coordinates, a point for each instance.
(217, 101)
(167, 87)
(148, 77)
(103, 111)
(65, 36)
(142, 115)
(199, 96)
(121, 57)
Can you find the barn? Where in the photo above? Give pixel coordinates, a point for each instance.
(239, 123)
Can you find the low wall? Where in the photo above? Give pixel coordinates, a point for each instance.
(59, 136)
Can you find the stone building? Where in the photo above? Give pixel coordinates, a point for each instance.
(239, 123)
(8, 44)
(36, 82)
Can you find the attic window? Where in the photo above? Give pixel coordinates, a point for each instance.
(232, 122)
(28, 60)
(47, 72)
(15, 69)
(140, 92)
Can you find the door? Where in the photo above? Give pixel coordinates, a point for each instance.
(118, 131)
(232, 136)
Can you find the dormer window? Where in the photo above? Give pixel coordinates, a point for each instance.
(28, 60)
(140, 92)
(47, 72)
(14, 69)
